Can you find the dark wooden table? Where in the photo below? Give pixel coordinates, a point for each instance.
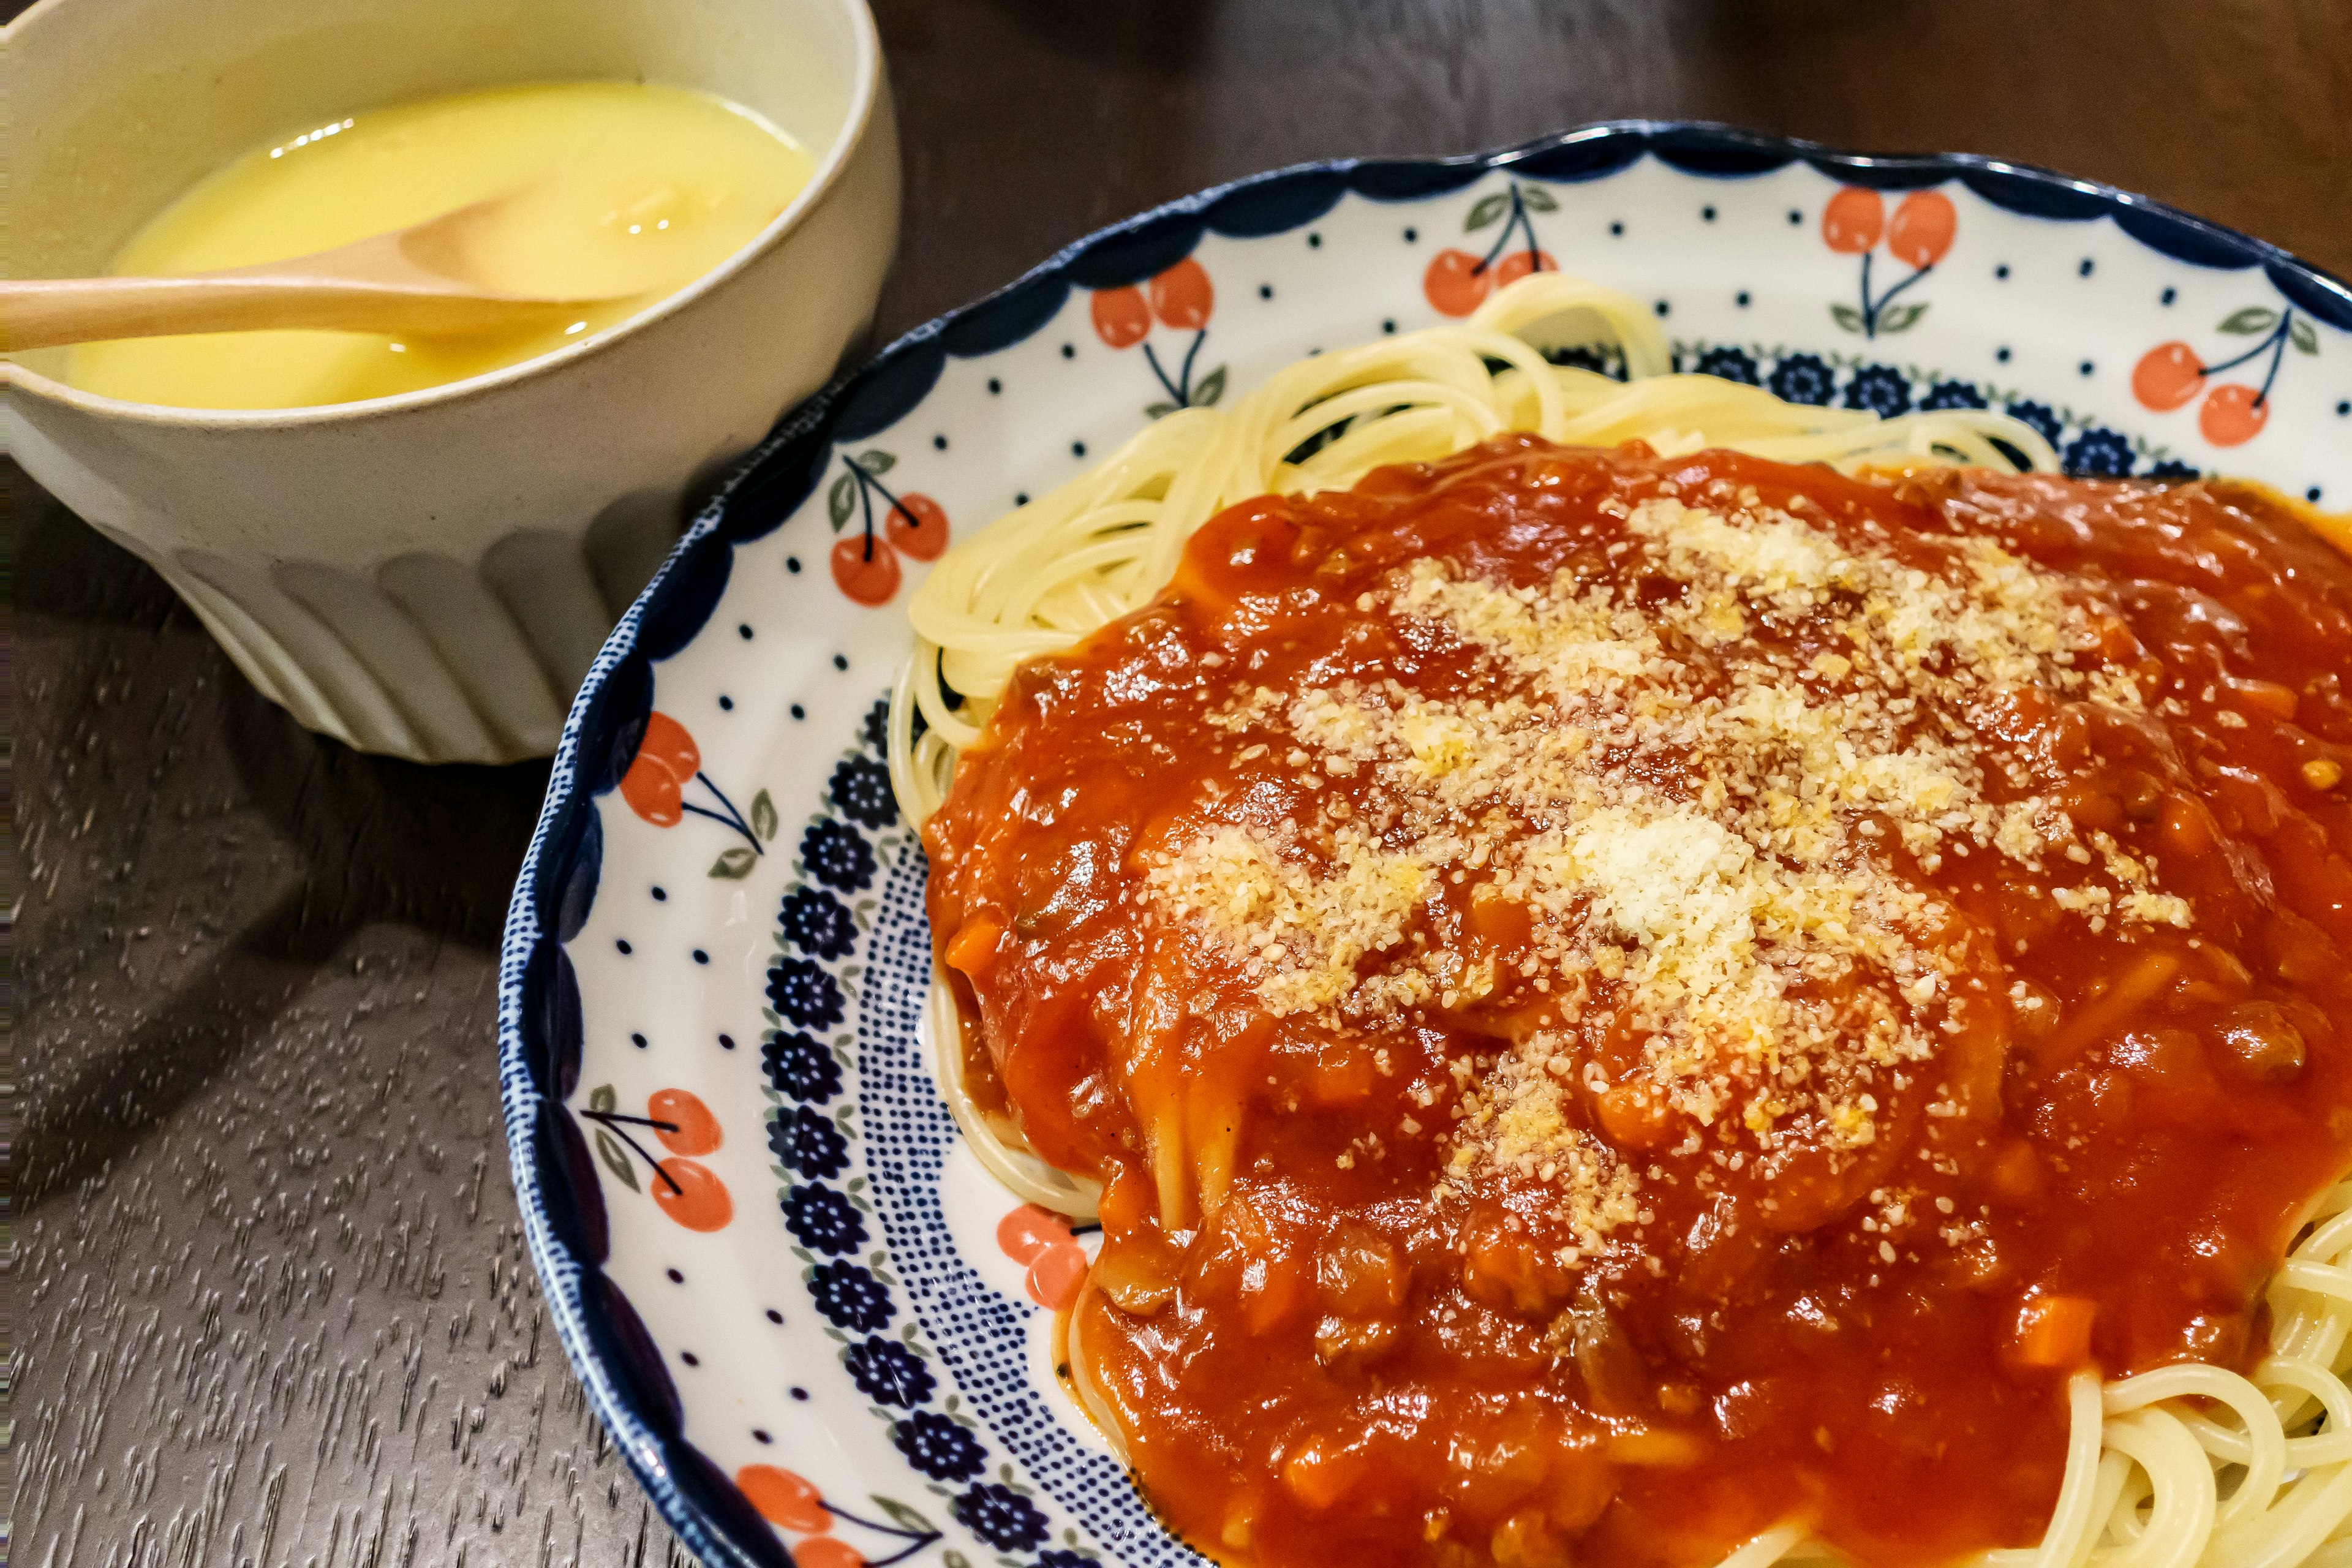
(273, 1306)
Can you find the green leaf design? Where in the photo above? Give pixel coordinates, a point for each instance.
(1210, 387)
(1535, 199)
(876, 461)
(763, 816)
(1900, 318)
(1160, 410)
(840, 498)
(735, 864)
(2303, 335)
(1487, 210)
(952, 1558)
(616, 1160)
(602, 1098)
(903, 1517)
(2253, 319)
(1846, 316)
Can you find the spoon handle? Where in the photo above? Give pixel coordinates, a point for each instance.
(43, 312)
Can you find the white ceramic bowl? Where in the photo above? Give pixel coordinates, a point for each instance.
(430, 574)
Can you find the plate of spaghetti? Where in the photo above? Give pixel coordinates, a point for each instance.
(1637, 852)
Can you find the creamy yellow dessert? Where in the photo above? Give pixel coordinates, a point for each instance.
(616, 189)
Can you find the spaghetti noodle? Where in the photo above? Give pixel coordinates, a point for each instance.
(1406, 747)
(1044, 576)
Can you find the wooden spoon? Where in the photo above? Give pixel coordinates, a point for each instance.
(413, 280)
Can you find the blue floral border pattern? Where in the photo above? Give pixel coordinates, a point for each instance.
(540, 1031)
(814, 984)
(2085, 448)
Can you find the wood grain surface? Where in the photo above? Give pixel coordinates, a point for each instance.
(270, 1303)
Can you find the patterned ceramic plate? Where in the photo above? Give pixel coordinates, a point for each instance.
(817, 1329)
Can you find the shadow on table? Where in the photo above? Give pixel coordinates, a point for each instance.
(378, 841)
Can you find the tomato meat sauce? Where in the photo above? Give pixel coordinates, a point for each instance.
(1621, 1002)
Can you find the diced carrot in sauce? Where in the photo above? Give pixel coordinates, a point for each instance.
(1319, 1472)
(973, 948)
(2054, 1332)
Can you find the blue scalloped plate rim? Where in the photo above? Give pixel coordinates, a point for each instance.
(539, 1004)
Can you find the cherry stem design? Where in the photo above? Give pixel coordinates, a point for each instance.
(1870, 308)
(868, 485)
(2274, 344)
(917, 1539)
(617, 1124)
(731, 818)
(1179, 391)
(1519, 224)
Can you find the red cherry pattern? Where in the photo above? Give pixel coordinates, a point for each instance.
(691, 1128)
(1919, 234)
(1922, 229)
(826, 1551)
(686, 1191)
(2234, 415)
(1029, 1230)
(866, 561)
(1121, 317)
(666, 760)
(1057, 1264)
(917, 526)
(2171, 374)
(1454, 284)
(866, 569)
(1519, 263)
(2168, 375)
(1183, 298)
(1056, 1278)
(1853, 220)
(784, 1498)
(1180, 297)
(683, 1187)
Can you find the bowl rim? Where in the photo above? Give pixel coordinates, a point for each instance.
(858, 122)
(558, 873)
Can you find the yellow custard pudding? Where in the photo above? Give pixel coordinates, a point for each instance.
(620, 192)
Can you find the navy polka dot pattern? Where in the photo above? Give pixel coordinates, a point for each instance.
(981, 1336)
(830, 1205)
